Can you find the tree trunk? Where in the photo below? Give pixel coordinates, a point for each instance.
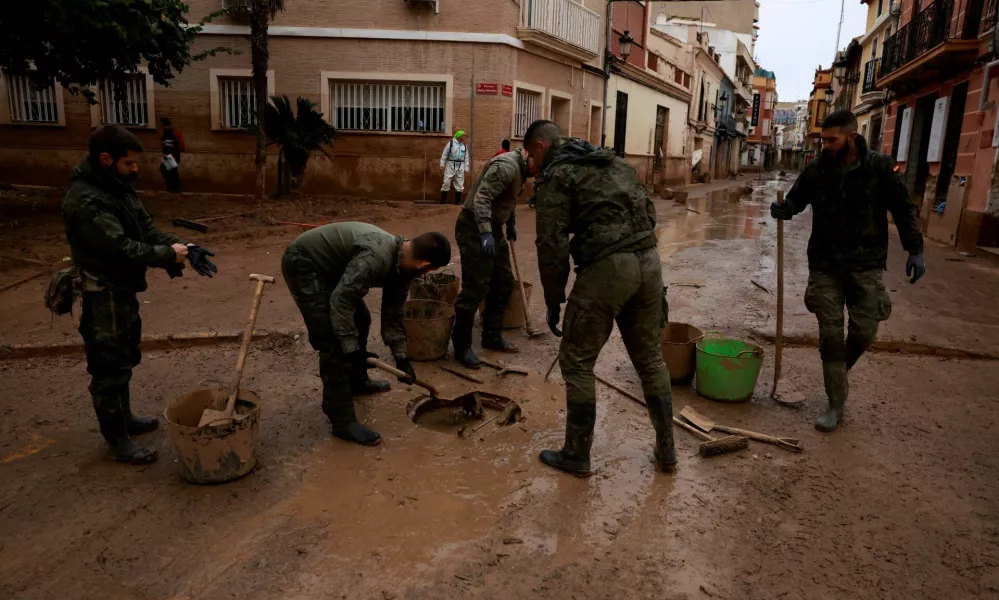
(259, 20)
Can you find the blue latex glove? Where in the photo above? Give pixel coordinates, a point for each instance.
(554, 316)
(915, 267)
(511, 233)
(488, 244)
(781, 211)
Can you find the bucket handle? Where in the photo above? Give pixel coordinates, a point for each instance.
(696, 339)
(751, 353)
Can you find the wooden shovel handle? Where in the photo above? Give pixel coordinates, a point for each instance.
(374, 362)
(789, 444)
(244, 347)
(779, 329)
(520, 285)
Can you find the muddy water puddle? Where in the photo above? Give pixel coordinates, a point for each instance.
(721, 215)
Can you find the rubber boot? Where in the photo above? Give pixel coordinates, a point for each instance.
(837, 388)
(461, 339)
(443, 197)
(361, 384)
(357, 433)
(493, 340)
(457, 197)
(137, 425)
(574, 457)
(338, 405)
(123, 448)
(661, 413)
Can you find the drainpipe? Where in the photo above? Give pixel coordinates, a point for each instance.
(985, 84)
(607, 74)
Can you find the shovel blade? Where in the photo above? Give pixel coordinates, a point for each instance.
(697, 419)
(787, 394)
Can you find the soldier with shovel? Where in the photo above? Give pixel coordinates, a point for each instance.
(851, 189)
(329, 270)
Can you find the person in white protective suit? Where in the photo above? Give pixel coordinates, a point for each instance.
(454, 161)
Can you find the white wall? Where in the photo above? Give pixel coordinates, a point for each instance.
(642, 104)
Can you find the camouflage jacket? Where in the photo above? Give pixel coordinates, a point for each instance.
(111, 235)
(594, 196)
(358, 257)
(493, 198)
(851, 205)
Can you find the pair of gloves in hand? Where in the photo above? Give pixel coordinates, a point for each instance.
(488, 242)
(198, 257)
(360, 358)
(915, 266)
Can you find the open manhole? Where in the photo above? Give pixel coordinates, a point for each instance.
(465, 414)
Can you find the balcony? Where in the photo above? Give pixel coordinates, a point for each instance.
(989, 16)
(870, 76)
(562, 26)
(942, 35)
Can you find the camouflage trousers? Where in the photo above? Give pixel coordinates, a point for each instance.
(111, 331)
(482, 277)
(312, 296)
(867, 302)
(626, 288)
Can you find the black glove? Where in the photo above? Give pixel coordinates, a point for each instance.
(175, 270)
(358, 360)
(199, 260)
(403, 363)
(511, 232)
(915, 267)
(553, 320)
(488, 244)
(783, 211)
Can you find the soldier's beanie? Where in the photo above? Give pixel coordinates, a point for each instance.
(114, 140)
(432, 247)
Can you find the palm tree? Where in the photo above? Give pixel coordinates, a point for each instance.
(298, 136)
(260, 15)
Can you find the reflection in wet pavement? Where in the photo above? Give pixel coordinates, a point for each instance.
(721, 215)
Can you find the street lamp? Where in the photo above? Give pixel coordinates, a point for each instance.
(625, 42)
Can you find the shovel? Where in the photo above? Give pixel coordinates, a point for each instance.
(783, 392)
(374, 362)
(707, 425)
(531, 331)
(216, 418)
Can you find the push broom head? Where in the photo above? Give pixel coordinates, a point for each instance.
(725, 445)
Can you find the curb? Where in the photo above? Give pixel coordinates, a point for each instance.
(273, 338)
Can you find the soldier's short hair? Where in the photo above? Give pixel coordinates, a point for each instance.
(506, 145)
(840, 118)
(115, 140)
(432, 247)
(542, 130)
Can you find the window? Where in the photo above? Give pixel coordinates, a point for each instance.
(874, 48)
(238, 102)
(560, 110)
(125, 105)
(526, 111)
(388, 106)
(678, 76)
(653, 63)
(29, 104)
(880, 2)
(686, 80)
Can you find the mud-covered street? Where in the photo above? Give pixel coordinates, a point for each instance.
(901, 502)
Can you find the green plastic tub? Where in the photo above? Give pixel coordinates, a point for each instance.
(727, 369)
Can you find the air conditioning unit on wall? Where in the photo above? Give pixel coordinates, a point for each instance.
(238, 9)
(434, 3)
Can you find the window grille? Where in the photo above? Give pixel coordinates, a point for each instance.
(528, 110)
(126, 105)
(239, 102)
(28, 104)
(388, 106)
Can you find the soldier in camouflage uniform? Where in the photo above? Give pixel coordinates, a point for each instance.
(594, 196)
(851, 190)
(113, 241)
(485, 254)
(329, 271)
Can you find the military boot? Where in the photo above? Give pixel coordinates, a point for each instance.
(461, 338)
(493, 340)
(338, 404)
(457, 197)
(133, 424)
(361, 384)
(574, 457)
(837, 388)
(123, 448)
(661, 413)
(443, 197)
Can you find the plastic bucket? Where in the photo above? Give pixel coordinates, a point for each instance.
(727, 369)
(677, 341)
(442, 286)
(428, 328)
(213, 454)
(514, 315)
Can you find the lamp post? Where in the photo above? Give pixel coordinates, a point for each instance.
(625, 42)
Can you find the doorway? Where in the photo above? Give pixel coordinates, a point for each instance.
(917, 169)
(952, 137)
(874, 143)
(620, 122)
(659, 144)
(596, 116)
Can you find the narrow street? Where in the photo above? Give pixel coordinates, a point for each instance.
(901, 502)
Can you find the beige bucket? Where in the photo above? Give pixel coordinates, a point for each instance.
(514, 315)
(678, 342)
(428, 328)
(442, 286)
(213, 454)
